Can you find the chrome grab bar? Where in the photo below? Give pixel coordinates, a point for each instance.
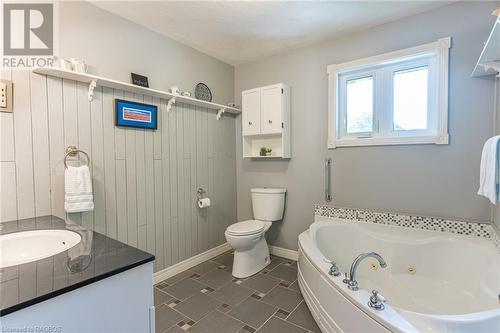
(328, 178)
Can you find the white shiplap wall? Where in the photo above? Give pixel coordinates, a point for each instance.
(145, 181)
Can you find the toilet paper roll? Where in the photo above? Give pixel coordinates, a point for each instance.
(204, 203)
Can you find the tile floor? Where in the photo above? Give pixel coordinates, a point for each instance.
(208, 299)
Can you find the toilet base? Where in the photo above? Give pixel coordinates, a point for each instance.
(252, 261)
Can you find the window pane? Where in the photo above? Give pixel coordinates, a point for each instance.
(410, 99)
(359, 105)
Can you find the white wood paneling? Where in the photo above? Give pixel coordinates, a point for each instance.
(144, 181)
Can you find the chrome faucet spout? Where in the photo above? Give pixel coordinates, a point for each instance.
(352, 283)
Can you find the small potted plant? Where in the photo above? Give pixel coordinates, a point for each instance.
(264, 151)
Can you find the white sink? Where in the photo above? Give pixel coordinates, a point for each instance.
(27, 246)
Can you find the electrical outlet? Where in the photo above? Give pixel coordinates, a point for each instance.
(5, 96)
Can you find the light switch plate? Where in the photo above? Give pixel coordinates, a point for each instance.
(5, 96)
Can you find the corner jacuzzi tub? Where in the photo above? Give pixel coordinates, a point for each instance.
(434, 281)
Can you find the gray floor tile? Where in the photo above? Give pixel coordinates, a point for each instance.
(216, 278)
(260, 282)
(160, 297)
(302, 316)
(216, 322)
(184, 288)
(175, 329)
(204, 267)
(252, 312)
(275, 261)
(283, 298)
(295, 286)
(275, 325)
(178, 277)
(231, 293)
(284, 273)
(225, 259)
(165, 317)
(197, 306)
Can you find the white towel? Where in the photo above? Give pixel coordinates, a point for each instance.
(488, 176)
(78, 188)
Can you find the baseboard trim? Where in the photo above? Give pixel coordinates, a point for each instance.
(284, 253)
(190, 262)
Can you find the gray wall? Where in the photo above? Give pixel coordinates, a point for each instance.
(422, 179)
(144, 181)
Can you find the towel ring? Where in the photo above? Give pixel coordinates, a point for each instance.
(73, 151)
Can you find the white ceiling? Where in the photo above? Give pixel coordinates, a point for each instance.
(237, 32)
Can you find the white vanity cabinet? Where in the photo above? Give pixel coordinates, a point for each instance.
(266, 121)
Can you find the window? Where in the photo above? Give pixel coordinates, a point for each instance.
(394, 98)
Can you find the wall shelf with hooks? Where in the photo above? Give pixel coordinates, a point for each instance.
(93, 80)
(489, 60)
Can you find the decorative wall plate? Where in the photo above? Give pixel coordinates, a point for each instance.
(203, 92)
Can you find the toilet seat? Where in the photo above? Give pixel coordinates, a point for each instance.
(245, 228)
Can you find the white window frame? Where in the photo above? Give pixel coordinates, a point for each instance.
(434, 55)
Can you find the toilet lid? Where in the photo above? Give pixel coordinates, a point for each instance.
(246, 228)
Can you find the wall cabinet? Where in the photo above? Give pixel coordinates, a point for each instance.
(266, 121)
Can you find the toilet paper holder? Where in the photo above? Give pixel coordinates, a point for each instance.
(200, 193)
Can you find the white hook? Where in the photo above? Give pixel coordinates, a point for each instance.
(170, 103)
(220, 113)
(92, 86)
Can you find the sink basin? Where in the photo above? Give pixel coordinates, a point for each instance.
(27, 246)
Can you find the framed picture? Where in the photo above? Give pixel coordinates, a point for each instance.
(139, 80)
(133, 114)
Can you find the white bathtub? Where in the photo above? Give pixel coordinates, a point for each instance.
(455, 286)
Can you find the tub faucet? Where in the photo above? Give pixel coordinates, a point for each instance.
(351, 282)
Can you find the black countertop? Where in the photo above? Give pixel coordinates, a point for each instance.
(96, 257)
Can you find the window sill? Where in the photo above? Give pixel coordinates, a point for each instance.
(411, 140)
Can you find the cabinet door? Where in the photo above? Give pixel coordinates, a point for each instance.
(250, 111)
(271, 106)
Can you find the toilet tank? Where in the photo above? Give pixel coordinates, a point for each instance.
(268, 203)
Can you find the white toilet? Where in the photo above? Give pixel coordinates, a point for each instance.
(247, 238)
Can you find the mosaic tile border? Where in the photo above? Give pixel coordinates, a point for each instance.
(483, 230)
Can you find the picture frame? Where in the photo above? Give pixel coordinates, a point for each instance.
(134, 114)
(139, 80)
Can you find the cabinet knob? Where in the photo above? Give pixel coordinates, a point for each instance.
(270, 121)
(249, 123)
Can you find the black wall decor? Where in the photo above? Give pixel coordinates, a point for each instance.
(139, 80)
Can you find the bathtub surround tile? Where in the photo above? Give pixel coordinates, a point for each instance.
(253, 312)
(283, 272)
(283, 298)
(302, 317)
(275, 324)
(184, 288)
(217, 322)
(232, 294)
(165, 318)
(261, 282)
(477, 229)
(216, 278)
